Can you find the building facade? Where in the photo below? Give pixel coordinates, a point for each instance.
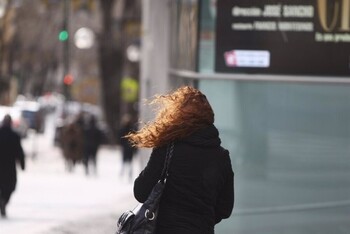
(285, 121)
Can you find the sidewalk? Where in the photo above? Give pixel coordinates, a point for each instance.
(105, 224)
(49, 200)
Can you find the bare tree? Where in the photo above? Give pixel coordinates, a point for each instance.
(36, 47)
(112, 56)
(37, 52)
(111, 61)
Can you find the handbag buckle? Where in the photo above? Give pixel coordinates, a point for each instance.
(147, 215)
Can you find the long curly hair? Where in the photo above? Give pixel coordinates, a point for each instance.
(179, 114)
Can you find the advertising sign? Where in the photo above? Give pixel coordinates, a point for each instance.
(290, 37)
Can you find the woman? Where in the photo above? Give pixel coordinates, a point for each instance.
(199, 190)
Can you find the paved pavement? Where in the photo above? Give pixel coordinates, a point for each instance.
(296, 195)
(104, 224)
(49, 200)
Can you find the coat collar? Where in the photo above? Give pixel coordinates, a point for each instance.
(205, 137)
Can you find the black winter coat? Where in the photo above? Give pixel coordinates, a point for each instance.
(200, 189)
(92, 140)
(10, 152)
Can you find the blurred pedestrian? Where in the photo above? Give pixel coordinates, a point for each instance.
(92, 140)
(128, 151)
(72, 143)
(199, 189)
(11, 152)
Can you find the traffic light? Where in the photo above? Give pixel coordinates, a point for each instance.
(68, 79)
(63, 35)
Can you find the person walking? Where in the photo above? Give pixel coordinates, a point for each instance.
(92, 142)
(199, 191)
(128, 150)
(72, 143)
(11, 152)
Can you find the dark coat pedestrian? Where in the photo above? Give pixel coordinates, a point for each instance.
(199, 191)
(72, 141)
(128, 150)
(11, 153)
(92, 140)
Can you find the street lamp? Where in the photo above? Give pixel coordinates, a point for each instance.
(133, 53)
(84, 38)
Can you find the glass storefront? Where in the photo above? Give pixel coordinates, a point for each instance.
(289, 144)
(206, 40)
(290, 151)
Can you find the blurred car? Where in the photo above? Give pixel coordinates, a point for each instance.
(19, 124)
(50, 101)
(33, 114)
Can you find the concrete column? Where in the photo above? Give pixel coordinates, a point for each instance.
(154, 77)
(155, 48)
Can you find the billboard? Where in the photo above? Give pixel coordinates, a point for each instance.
(288, 37)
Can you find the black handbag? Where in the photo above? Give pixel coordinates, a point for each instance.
(143, 219)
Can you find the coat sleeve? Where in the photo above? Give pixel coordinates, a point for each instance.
(145, 182)
(225, 200)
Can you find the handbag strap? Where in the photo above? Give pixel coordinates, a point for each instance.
(169, 154)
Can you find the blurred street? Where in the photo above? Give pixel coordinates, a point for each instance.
(50, 200)
(74, 72)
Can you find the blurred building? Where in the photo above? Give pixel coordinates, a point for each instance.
(277, 75)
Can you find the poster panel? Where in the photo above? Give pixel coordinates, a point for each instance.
(290, 37)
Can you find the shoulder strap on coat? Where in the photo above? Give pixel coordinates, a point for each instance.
(169, 154)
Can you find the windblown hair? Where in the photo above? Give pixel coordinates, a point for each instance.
(180, 113)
